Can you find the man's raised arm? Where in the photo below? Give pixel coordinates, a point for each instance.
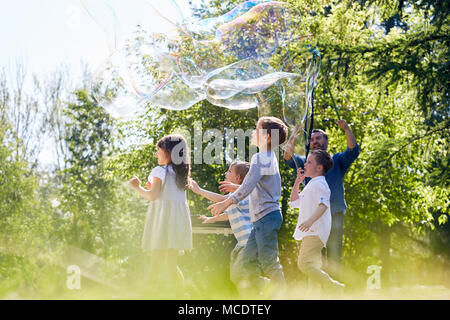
(351, 141)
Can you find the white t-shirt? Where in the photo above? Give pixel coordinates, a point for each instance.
(159, 172)
(315, 193)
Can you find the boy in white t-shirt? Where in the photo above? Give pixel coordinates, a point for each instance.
(314, 220)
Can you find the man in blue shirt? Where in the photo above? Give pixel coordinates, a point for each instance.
(334, 178)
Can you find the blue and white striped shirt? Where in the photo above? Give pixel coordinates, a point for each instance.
(239, 217)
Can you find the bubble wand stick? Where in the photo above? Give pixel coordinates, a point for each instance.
(333, 103)
(308, 139)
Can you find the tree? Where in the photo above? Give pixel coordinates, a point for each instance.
(86, 191)
(385, 68)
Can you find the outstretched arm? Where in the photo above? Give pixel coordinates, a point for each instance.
(247, 186)
(220, 217)
(193, 185)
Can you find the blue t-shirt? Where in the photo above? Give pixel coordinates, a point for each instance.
(334, 177)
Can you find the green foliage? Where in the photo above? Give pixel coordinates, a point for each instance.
(26, 221)
(392, 88)
(86, 195)
(385, 66)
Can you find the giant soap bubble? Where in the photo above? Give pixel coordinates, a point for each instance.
(255, 55)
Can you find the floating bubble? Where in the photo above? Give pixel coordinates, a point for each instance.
(103, 14)
(239, 60)
(199, 58)
(209, 26)
(118, 19)
(112, 90)
(294, 101)
(240, 101)
(176, 95)
(246, 77)
(257, 33)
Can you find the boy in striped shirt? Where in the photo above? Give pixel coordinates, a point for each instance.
(238, 215)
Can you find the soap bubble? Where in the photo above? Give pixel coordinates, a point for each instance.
(176, 95)
(245, 58)
(104, 15)
(257, 33)
(247, 79)
(209, 26)
(112, 91)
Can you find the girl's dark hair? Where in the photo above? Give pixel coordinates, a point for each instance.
(176, 147)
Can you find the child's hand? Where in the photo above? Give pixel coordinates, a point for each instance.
(300, 176)
(135, 182)
(205, 219)
(148, 185)
(218, 208)
(193, 185)
(227, 187)
(305, 226)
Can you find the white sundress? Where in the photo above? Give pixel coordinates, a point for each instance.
(168, 221)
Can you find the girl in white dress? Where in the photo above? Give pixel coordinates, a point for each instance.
(168, 227)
